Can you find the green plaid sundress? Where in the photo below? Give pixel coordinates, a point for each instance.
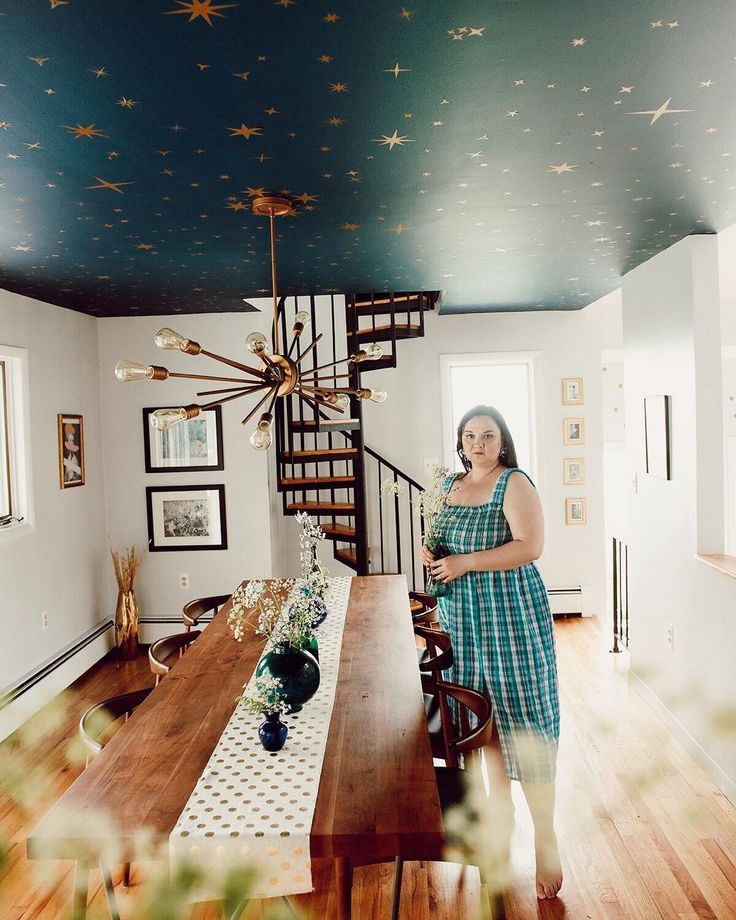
(502, 634)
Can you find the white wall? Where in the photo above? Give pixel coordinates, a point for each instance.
(407, 428)
(672, 346)
(59, 563)
(245, 475)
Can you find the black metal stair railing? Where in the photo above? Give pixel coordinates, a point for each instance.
(395, 524)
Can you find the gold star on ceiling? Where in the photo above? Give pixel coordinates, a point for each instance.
(578, 42)
(55, 3)
(335, 120)
(39, 60)
(126, 103)
(243, 76)
(245, 131)
(5, 125)
(393, 141)
(22, 247)
(305, 198)
(255, 192)
(113, 186)
(563, 168)
(325, 59)
(285, 3)
(84, 131)
(100, 72)
(658, 113)
(203, 67)
(349, 226)
(338, 87)
(200, 9)
(406, 14)
(396, 70)
(331, 17)
(147, 246)
(271, 111)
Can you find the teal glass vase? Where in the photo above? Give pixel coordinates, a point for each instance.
(296, 669)
(436, 588)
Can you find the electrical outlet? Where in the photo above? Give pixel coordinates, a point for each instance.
(670, 636)
(183, 580)
(44, 620)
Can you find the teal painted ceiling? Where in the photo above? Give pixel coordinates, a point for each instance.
(514, 155)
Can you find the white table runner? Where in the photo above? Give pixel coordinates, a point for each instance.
(253, 807)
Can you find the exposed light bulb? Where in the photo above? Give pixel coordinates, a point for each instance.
(260, 440)
(162, 419)
(256, 343)
(170, 339)
(378, 395)
(132, 370)
(342, 402)
(373, 352)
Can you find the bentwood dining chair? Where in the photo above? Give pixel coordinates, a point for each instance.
(94, 730)
(437, 656)
(160, 651)
(424, 608)
(196, 609)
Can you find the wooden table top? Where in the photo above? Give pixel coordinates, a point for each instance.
(377, 796)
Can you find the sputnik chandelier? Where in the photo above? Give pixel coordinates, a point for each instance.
(277, 375)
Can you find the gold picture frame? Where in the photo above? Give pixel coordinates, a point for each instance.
(573, 431)
(572, 391)
(71, 449)
(576, 511)
(573, 471)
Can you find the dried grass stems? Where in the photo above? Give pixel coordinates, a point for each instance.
(126, 564)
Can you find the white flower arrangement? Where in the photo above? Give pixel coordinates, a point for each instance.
(314, 574)
(430, 503)
(264, 697)
(274, 608)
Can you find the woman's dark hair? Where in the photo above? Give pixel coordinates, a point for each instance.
(508, 451)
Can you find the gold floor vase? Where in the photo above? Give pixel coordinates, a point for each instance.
(126, 624)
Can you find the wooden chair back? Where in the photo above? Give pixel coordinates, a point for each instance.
(424, 608)
(197, 608)
(99, 717)
(464, 740)
(162, 649)
(439, 647)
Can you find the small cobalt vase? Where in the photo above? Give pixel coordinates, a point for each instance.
(273, 732)
(296, 669)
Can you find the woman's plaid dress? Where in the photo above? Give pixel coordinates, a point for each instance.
(502, 634)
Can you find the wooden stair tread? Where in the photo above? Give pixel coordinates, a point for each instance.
(327, 424)
(398, 298)
(326, 507)
(401, 328)
(339, 532)
(314, 456)
(348, 555)
(315, 482)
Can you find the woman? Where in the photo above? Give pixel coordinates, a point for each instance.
(498, 617)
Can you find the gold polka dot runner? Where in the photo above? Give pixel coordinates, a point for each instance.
(251, 807)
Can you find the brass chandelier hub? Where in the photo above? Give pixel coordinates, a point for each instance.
(288, 373)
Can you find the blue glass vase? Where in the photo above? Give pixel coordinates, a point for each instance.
(273, 732)
(296, 669)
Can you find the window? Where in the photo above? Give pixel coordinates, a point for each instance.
(14, 438)
(504, 380)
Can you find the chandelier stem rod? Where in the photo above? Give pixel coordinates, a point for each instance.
(244, 390)
(219, 402)
(209, 377)
(313, 401)
(315, 378)
(349, 391)
(258, 405)
(236, 364)
(273, 284)
(332, 363)
(306, 351)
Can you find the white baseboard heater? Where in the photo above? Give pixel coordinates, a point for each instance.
(566, 602)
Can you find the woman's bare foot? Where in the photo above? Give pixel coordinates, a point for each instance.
(549, 868)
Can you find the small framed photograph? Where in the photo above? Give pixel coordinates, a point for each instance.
(186, 518)
(71, 450)
(657, 436)
(576, 511)
(572, 391)
(191, 446)
(573, 431)
(573, 471)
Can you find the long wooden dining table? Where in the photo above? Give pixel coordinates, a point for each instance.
(377, 795)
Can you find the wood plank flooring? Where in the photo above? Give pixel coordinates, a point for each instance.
(644, 833)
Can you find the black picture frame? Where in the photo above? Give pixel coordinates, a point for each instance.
(158, 444)
(657, 449)
(186, 518)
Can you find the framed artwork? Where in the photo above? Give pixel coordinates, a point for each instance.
(186, 518)
(194, 445)
(657, 436)
(71, 450)
(576, 511)
(573, 471)
(572, 391)
(573, 431)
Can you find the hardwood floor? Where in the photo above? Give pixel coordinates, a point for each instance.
(644, 834)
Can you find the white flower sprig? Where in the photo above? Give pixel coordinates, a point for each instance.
(264, 697)
(430, 503)
(274, 608)
(314, 574)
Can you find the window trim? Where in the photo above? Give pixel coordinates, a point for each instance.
(530, 358)
(5, 441)
(18, 422)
